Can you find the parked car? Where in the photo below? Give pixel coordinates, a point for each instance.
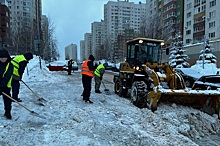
(116, 67)
(111, 64)
(56, 65)
(189, 75)
(207, 82)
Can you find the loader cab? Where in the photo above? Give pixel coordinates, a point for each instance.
(142, 50)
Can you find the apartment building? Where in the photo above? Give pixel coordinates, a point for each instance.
(119, 16)
(71, 52)
(4, 24)
(88, 45)
(201, 18)
(82, 51)
(164, 19)
(25, 22)
(98, 35)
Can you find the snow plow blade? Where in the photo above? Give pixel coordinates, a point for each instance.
(207, 101)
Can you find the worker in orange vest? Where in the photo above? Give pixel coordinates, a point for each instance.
(87, 75)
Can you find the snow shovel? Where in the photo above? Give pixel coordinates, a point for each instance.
(32, 112)
(105, 87)
(38, 98)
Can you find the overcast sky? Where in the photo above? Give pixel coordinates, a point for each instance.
(73, 18)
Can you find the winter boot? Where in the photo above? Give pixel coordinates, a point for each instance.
(98, 91)
(7, 115)
(88, 101)
(18, 100)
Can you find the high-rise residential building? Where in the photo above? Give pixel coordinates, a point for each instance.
(46, 52)
(164, 19)
(82, 51)
(4, 24)
(212, 25)
(98, 35)
(71, 52)
(25, 22)
(88, 45)
(119, 16)
(201, 19)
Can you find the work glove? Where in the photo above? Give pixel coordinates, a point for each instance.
(100, 78)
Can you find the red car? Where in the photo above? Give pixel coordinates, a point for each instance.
(56, 65)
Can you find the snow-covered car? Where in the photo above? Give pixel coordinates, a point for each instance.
(189, 75)
(207, 82)
(56, 65)
(111, 65)
(116, 67)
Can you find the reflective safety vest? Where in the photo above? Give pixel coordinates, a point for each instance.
(9, 82)
(97, 71)
(15, 61)
(85, 69)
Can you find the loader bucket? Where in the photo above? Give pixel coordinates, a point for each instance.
(206, 100)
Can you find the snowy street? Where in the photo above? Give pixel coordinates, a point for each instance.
(109, 121)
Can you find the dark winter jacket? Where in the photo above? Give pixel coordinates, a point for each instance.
(7, 76)
(91, 63)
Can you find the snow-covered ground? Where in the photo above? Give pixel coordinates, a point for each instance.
(109, 121)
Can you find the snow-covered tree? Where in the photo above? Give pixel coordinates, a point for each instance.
(207, 55)
(177, 57)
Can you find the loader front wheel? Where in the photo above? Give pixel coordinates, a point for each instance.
(117, 86)
(139, 94)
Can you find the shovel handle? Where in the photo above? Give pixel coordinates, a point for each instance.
(16, 101)
(33, 92)
(32, 112)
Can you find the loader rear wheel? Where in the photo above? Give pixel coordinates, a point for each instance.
(139, 94)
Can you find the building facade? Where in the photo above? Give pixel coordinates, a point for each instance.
(119, 16)
(82, 51)
(4, 24)
(164, 19)
(98, 35)
(88, 45)
(25, 22)
(201, 19)
(71, 52)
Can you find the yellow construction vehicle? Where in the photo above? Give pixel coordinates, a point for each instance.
(149, 82)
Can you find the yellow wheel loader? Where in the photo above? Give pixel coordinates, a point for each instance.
(149, 82)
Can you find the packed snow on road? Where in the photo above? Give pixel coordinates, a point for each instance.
(109, 121)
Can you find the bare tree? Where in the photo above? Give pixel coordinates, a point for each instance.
(152, 28)
(49, 43)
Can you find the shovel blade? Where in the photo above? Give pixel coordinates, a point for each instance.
(37, 115)
(42, 99)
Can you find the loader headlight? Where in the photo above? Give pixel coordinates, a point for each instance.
(136, 67)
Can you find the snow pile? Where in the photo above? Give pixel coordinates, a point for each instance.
(110, 120)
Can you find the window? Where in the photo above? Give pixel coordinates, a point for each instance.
(188, 15)
(212, 3)
(212, 14)
(188, 6)
(188, 41)
(212, 35)
(188, 23)
(196, 10)
(212, 24)
(196, 2)
(188, 32)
